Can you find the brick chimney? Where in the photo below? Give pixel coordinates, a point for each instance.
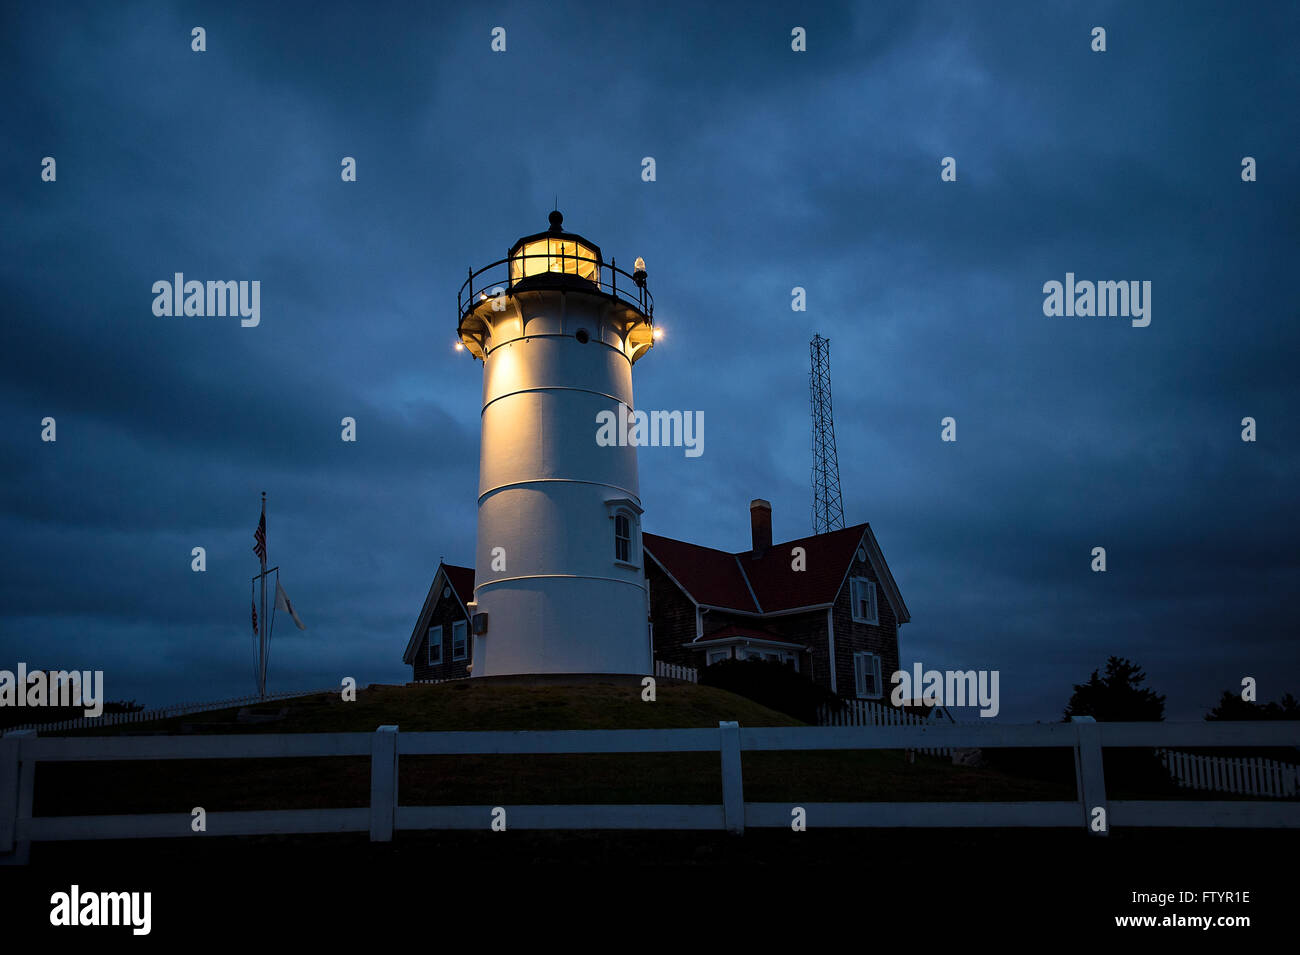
(760, 526)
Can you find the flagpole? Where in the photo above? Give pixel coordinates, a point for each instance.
(261, 634)
(275, 605)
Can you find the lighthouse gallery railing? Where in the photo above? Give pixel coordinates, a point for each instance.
(497, 278)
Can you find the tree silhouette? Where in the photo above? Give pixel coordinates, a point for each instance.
(1118, 696)
(1233, 707)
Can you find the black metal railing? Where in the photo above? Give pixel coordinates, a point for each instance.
(498, 278)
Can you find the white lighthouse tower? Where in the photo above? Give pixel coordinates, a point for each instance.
(559, 584)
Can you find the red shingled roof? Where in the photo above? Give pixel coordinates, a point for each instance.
(710, 576)
(753, 633)
(780, 587)
(462, 581)
(715, 578)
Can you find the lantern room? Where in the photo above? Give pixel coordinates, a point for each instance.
(511, 297)
(555, 252)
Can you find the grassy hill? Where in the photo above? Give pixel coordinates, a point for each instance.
(495, 703)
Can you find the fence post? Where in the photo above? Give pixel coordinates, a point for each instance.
(17, 783)
(383, 783)
(733, 788)
(1088, 773)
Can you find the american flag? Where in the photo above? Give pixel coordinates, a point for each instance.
(259, 538)
(254, 616)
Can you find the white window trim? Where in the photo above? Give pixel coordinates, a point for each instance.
(629, 509)
(872, 660)
(428, 651)
(854, 583)
(464, 649)
(631, 539)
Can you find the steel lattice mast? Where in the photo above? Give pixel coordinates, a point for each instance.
(828, 505)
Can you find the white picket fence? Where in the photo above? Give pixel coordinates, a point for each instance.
(869, 713)
(668, 670)
(20, 754)
(163, 713)
(1250, 777)
(674, 672)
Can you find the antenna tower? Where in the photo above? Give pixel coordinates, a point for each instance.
(828, 505)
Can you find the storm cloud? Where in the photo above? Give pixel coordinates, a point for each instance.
(774, 170)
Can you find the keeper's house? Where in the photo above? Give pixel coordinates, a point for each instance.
(826, 605)
(440, 647)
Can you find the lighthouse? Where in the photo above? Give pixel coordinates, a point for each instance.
(559, 581)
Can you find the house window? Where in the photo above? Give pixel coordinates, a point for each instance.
(863, 595)
(458, 640)
(622, 538)
(866, 672)
(435, 646)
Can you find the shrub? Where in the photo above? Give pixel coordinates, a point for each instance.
(774, 685)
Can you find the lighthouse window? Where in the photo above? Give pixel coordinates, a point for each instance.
(622, 538)
(582, 336)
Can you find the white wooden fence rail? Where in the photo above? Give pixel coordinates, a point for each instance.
(1246, 776)
(20, 754)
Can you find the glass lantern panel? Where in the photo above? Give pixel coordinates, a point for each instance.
(563, 256)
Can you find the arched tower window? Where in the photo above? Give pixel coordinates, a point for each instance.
(624, 517)
(622, 538)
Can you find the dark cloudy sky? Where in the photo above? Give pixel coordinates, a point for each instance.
(775, 170)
